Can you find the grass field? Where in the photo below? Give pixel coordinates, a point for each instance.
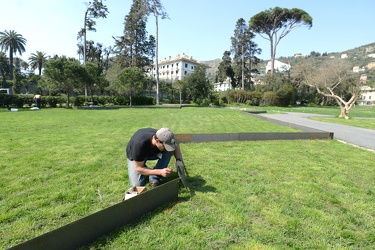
(360, 116)
(315, 194)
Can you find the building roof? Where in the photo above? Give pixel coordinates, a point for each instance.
(182, 57)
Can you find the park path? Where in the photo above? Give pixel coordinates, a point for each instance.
(361, 137)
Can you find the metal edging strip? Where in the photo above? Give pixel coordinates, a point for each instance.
(86, 230)
(186, 138)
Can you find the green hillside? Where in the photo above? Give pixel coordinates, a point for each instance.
(358, 56)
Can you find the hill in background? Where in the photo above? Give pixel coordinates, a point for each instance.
(359, 56)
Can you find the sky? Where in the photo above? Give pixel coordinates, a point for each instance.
(199, 28)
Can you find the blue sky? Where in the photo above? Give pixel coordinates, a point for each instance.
(200, 28)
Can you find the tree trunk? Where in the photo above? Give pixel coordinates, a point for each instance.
(272, 57)
(84, 38)
(344, 111)
(157, 59)
(242, 69)
(67, 99)
(344, 108)
(11, 63)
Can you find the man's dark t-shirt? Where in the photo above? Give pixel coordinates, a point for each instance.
(140, 148)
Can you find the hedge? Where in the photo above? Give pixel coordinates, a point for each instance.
(21, 101)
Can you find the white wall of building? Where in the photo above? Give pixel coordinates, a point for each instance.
(176, 68)
(367, 96)
(279, 66)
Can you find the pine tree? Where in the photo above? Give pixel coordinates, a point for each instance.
(133, 47)
(244, 51)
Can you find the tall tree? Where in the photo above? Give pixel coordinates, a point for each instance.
(274, 24)
(14, 42)
(225, 69)
(95, 9)
(156, 7)
(244, 50)
(332, 79)
(37, 60)
(133, 48)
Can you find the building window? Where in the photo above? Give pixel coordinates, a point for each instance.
(176, 72)
(186, 65)
(176, 64)
(185, 73)
(167, 66)
(192, 67)
(172, 65)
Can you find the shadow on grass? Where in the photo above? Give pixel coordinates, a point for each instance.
(198, 184)
(195, 183)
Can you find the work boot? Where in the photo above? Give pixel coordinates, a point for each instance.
(154, 183)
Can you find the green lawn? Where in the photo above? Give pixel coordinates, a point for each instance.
(357, 111)
(257, 195)
(363, 117)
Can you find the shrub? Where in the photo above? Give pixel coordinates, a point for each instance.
(52, 101)
(269, 99)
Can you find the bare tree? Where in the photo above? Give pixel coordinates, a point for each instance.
(332, 78)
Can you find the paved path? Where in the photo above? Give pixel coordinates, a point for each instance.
(358, 136)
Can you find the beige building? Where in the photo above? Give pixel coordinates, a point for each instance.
(370, 65)
(367, 97)
(176, 68)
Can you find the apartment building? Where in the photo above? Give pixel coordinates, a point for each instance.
(223, 86)
(367, 97)
(176, 68)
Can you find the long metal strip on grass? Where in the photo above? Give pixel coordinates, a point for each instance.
(88, 229)
(185, 138)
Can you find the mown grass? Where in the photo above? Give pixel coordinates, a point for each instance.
(357, 111)
(356, 121)
(360, 116)
(264, 195)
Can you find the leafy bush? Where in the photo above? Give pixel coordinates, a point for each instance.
(269, 99)
(5, 100)
(78, 101)
(52, 101)
(143, 100)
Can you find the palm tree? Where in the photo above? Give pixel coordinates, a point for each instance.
(37, 60)
(14, 42)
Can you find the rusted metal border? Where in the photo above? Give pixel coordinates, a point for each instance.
(186, 138)
(88, 229)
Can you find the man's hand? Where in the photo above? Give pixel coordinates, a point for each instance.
(181, 167)
(165, 172)
(181, 170)
(179, 164)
